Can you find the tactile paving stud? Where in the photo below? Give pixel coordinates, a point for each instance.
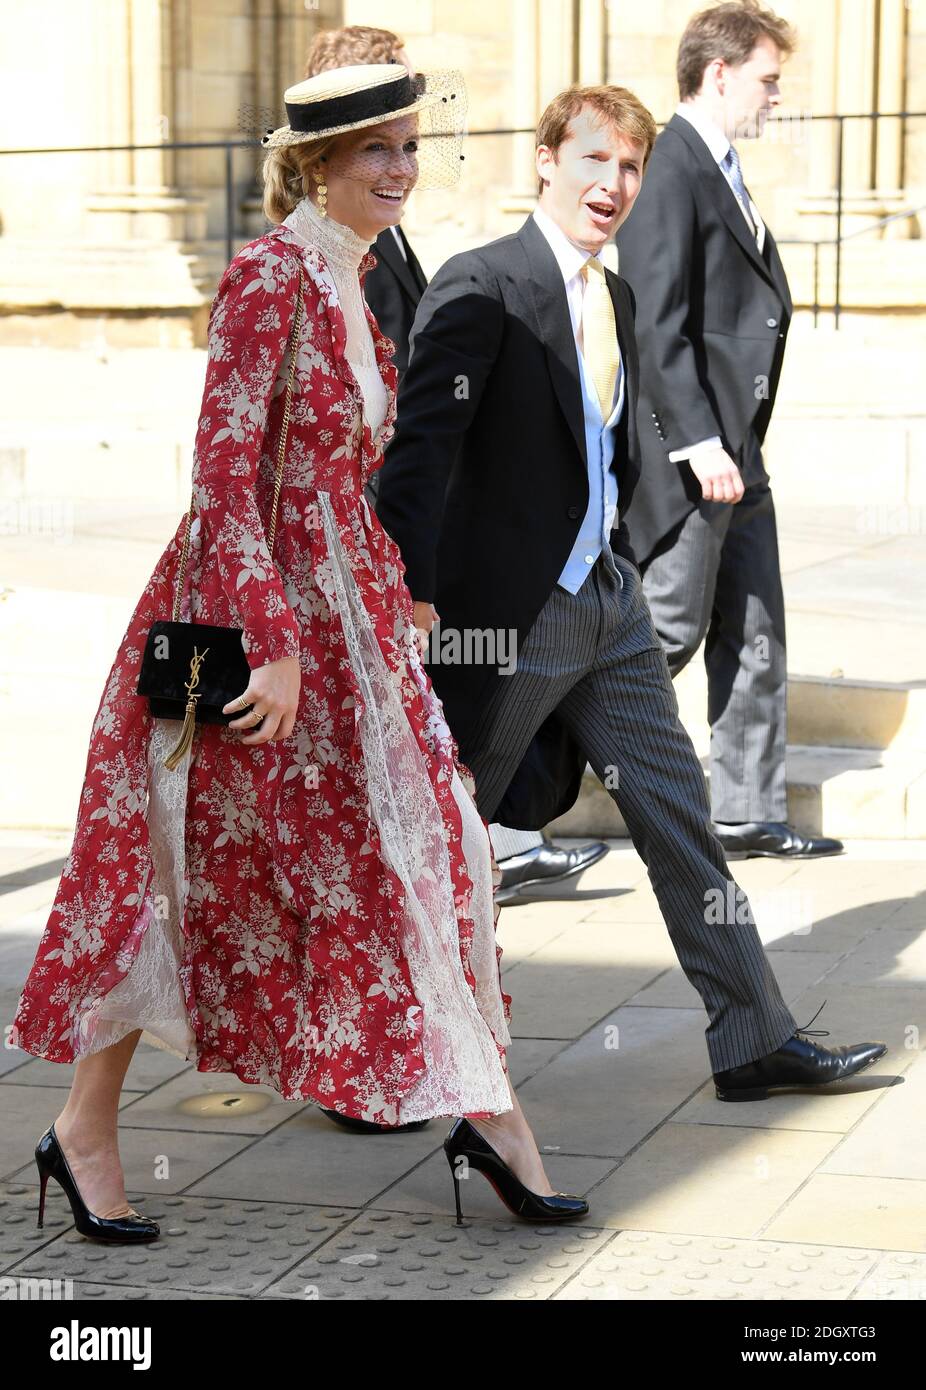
(648, 1265)
(432, 1258)
(110, 1293)
(206, 1245)
(19, 1210)
(899, 1276)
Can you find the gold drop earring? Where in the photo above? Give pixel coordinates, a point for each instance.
(322, 193)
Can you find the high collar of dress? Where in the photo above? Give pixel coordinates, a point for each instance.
(340, 245)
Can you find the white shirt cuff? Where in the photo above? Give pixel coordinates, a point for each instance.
(713, 443)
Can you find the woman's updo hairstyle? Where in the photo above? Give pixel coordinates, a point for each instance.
(287, 175)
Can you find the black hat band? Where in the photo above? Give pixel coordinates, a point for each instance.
(381, 100)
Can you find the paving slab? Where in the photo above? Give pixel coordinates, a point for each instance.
(155, 1161)
(210, 1103)
(27, 1111)
(839, 1209)
(643, 1266)
(712, 1201)
(149, 1067)
(584, 973)
(888, 956)
(617, 1083)
(890, 1140)
(310, 1159)
(383, 1256)
(208, 1246)
(706, 1180)
(898, 1277)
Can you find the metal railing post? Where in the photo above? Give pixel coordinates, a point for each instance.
(837, 293)
(816, 283)
(229, 201)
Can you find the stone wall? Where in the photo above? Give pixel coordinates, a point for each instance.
(131, 245)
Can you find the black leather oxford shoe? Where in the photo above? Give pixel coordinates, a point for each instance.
(772, 839)
(544, 866)
(370, 1126)
(797, 1063)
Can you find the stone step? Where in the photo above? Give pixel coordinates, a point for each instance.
(826, 711)
(851, 793)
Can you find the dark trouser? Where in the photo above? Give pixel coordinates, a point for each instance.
(719, 581)
(595, 658)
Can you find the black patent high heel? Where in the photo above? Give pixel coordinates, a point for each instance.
(51, 1163)
(465, 1142)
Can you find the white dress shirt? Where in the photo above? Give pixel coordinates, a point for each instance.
(718, 145)
(399, 242)
(595, 531)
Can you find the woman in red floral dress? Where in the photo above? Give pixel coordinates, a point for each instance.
(306, 900)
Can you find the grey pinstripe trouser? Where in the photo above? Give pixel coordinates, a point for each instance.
(594, 657)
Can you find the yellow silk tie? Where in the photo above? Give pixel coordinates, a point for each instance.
(599, 334)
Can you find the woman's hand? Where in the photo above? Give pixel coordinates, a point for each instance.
(426, 615)
(273, 690)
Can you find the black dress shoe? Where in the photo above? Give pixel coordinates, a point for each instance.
(797, 1063)
(370, 1126)
(547, 864)
(772, 839)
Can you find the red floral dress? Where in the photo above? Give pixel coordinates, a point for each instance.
(315, 913)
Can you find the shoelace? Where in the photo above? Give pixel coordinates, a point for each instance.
(815, 1032)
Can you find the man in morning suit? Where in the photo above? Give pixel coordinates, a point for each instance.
(713, 310)
(515, 452)
(393, 289)
(529, 861)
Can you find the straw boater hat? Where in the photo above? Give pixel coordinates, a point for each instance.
(349, 98)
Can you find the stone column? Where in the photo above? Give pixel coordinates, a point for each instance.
(592, 54)
(545, 61)
(525, 76)
(858, 55)
(140, 200)
(889, 175)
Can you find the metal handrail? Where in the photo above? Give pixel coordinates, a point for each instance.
(229, 147)
(817, 242)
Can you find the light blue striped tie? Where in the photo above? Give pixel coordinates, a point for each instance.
(731, 162)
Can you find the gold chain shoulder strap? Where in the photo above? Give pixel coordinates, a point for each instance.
(281, 455)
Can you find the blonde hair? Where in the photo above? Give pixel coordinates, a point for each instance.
(287, 175)
(614, 106)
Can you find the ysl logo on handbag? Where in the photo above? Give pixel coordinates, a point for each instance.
(195, 663)
(186, 734)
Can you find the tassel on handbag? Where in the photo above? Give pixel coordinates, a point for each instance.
(176, 676)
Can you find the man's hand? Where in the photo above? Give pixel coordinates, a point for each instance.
(718, 475)
(273, 690)
(426, 615)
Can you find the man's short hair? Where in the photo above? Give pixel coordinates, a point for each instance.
(358, 43)
(729, 31)
(614, 106)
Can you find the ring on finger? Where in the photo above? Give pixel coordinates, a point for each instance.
(256, 717)
(241, 702)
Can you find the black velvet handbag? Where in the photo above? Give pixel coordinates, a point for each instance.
(190, 670)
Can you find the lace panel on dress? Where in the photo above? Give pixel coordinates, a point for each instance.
(464, 1074)
(150, 995)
